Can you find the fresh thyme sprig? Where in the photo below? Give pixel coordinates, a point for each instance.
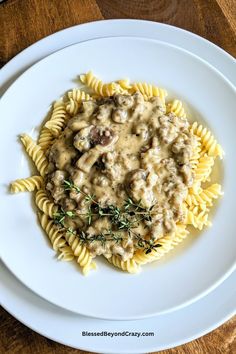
(125, 218)
(147, 245)
(69, 185)
(103, 237)
(121, 219)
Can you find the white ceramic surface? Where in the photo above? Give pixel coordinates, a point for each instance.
(192, 321)
(208, 51)
(199, 265)
(169, 330)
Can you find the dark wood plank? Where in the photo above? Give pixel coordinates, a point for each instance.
(203, 17)
(24, 22)
(228, 7)
(18, 339)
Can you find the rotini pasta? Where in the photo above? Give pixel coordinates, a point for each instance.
(203, 168)
(45, 138)
(97, 85)
(125, 84)
(197, 217)
(167, 244)
(36, 153)
(78, 95)
(55, 236)
(177, 108)
(72, 107)
(44, 203)
(129, 266)
(148, 90)
(194, 160)
(206, 196)
(65, 254)
(27, 184)
(58, 118)
(208, 141)
(82, 254)
(192, 219)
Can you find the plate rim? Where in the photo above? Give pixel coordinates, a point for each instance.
(108, 351)
(32, 67)
(119, 20)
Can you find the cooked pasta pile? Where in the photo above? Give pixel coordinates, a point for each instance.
(197, 202)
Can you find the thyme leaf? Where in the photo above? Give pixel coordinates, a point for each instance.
(60, 215)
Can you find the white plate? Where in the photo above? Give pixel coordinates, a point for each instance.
(169, 330)
(195, 320)
(208, 51)
(59, 283)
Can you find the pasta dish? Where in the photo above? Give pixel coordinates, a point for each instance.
(122, 174)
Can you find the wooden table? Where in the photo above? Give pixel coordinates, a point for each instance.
(22, 22)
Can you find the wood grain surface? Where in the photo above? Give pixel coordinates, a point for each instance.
(23, 22)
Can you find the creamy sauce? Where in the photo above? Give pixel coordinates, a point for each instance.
(117, 148)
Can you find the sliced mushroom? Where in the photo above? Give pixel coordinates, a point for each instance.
(62, 153)
(120, 115)
(88, 159)
(125, 101)
(104, 112)
(78, 177)
(82, 140)
(68, 204)
(76, 123)
(91, 136)
(88, 108)
(138, 186)
(136, 178)
(103, 138)
(157, 106)
(139, 105)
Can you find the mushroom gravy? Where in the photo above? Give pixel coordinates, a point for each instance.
(117, 148)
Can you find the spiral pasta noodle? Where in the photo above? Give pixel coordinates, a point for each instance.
(54, 234)
(72, 107)
(44, 203)
(45, 138)
(202, 214)
(206, 196)
(177, 108)
(148, 90)
(194, 160)
(65, 254)
(129, 266)
(167, 244)
(27, 184)
(78, 95)
(192, 219)
(203, 168)
(58, 119)
(197, 217)
(97, 85)
(208, 141)
(82, 254)
(125, 84)
(36, 153)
